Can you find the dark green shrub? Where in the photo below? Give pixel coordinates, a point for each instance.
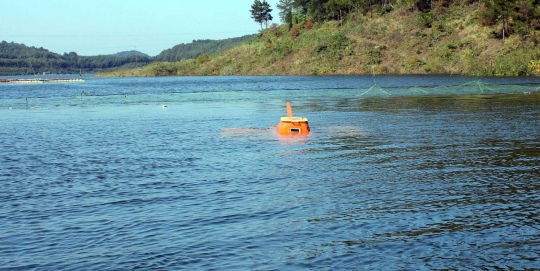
(374, 57)
(425, 19)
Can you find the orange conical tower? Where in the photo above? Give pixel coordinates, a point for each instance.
(290, 125)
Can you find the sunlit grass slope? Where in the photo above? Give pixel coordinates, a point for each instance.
(450, 41)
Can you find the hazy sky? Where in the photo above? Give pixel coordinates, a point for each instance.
(93, 27)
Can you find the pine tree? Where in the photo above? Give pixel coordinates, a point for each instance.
(286, 11)
(267, 11)
(256, 12)
(261, 12)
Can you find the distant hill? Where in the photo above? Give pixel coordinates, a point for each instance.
(131, 53)
(19, 59)
(200, 47)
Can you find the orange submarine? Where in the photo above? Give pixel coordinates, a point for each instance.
(295, 129)
(290, 125)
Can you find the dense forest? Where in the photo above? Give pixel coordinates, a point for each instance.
(200, 47)
(323, 37)
(513, 16)
(19, 59)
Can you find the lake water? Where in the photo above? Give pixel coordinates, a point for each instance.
(186, 173)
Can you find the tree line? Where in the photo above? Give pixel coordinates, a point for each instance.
(19, 59)
(513, 16)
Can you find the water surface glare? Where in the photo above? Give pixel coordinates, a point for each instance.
(187, 174)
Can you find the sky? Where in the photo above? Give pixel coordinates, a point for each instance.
(97, 27)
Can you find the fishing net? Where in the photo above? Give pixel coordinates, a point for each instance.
(89, 97)
(469, 88)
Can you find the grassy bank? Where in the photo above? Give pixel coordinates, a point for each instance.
(447, 40)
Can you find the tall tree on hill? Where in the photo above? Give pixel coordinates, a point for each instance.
(527, 16)
(301, 4)
(352, 5)
(337, 9)
(317, 10)
(256, 12)
(515, 16)
(499, 11)
(267, 10)
(261, 12)
(286, 11)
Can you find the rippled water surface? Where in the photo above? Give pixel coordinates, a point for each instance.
(398, 173)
